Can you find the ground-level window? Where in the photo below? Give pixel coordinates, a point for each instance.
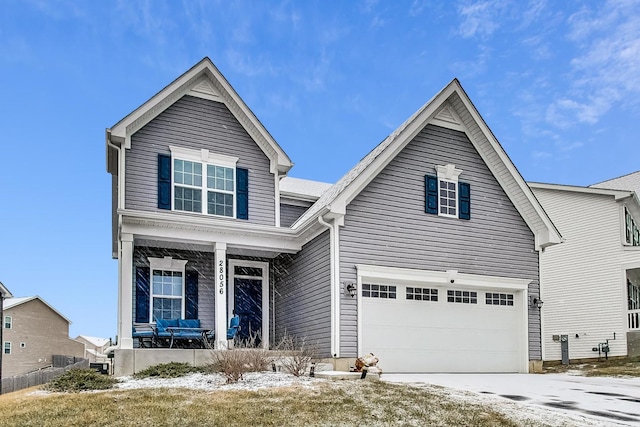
(7, 322)
(493, 298)
(463, 297)
(167, 290)
(378, 291)
(422, 294)
(7, 347)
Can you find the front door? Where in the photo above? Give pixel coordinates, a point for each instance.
(249, 299)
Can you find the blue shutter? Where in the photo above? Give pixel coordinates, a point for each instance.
(464, 200)
(191, 294)
(142, 294)
(431, 190)
(242, 193)
(164, 181)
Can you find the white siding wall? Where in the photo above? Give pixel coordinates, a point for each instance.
(582, 281)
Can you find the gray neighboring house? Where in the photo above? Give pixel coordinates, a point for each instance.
(425, 253)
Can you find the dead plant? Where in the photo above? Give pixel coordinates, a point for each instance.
(296, 355)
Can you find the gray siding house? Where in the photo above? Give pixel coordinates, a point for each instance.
(425, 253)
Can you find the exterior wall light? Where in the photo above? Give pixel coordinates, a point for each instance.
(537, 303)
(351, 289)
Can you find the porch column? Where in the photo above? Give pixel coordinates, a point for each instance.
(125, 292)
(221, 294)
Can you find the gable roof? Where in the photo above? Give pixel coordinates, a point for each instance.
(303, 189)
(203, 80)
(450, 108)
(96, 341)
(4, 292)
(14, 302)
(630, 181)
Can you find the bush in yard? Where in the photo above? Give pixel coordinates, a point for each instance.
(77, 380)
(167, 370)
(245, 356)
(296, 355)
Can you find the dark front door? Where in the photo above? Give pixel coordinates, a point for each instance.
(248, 305)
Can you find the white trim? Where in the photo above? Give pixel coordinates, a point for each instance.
(203, 156)
(617, 194)
(265, 291)
(407, 276)
(167, 264)
(220, 289)
(5, 347)
(10, 322)
(448, 172)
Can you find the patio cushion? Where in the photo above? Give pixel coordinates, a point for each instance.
(163, 324)
(189, 323)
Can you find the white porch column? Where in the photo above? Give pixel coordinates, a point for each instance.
(125, 292)
(221, 295)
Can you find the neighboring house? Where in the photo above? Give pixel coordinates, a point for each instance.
(34, 331)
(630, 182)
(94, 348)
(425, 253)
(590, 284)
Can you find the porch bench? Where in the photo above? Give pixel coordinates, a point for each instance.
(144, 333)
(181, 331)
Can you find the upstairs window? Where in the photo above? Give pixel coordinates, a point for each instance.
(8, 322)
(7, 347)
(632, 234)
(446, 196)
(202, 182)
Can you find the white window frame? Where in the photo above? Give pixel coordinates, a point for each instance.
(166, 264)
(23, 345)
(7, 346)
(205, 159)
(7, 322)
(448, 174)
(631, 228)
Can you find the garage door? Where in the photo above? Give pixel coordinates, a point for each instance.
(443, 329)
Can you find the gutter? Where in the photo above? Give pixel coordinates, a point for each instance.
(335, 283)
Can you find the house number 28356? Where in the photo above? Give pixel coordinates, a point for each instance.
(221, 277)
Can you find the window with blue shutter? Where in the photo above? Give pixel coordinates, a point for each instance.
(242, 193)
(431, 189)
(164, 181)
(142, 294)
(191, 294)
(464, 200)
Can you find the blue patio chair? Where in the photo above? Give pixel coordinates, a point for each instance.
(234, 326)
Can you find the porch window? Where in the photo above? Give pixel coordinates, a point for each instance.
(7, 322)
(633, 291)
(167, 292)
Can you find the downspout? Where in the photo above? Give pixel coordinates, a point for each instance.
(119, 150)
(335, 282)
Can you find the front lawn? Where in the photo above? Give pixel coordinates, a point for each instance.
(619, 367)
(345, 403)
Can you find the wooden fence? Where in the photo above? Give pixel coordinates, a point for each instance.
(61, 364)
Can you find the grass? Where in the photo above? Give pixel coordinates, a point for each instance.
(347, 403)
(619, 367)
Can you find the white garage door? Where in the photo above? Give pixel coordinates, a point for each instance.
(443, 329)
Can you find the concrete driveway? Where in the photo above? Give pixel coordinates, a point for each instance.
(609, 401)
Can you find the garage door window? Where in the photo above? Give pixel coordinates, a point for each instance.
(422, 294)
(499, 299)
(463, 297)
(379, 291)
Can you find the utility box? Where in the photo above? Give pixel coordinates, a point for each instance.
(564, 347)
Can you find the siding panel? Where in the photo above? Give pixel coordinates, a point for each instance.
(303, 294)
(289, 214)
(386, 225)
(197, 124)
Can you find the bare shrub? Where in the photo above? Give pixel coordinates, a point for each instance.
(245, 356)
(296, 355)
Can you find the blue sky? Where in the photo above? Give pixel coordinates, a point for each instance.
(557, 82)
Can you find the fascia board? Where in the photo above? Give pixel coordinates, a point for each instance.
(616, 194)
(550, 234)
(408, 275)
(4, 292)
(152, 225)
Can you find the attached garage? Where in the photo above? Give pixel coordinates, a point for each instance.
(428, 321)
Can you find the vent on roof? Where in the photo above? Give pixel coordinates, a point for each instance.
(205, 88)
(447, 116)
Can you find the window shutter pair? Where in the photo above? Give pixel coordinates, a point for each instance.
(464, 197)
(164, 187)
(143, 294)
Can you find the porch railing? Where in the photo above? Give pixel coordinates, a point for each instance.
(633, 317)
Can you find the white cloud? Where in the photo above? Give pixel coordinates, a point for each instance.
(479, 18)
